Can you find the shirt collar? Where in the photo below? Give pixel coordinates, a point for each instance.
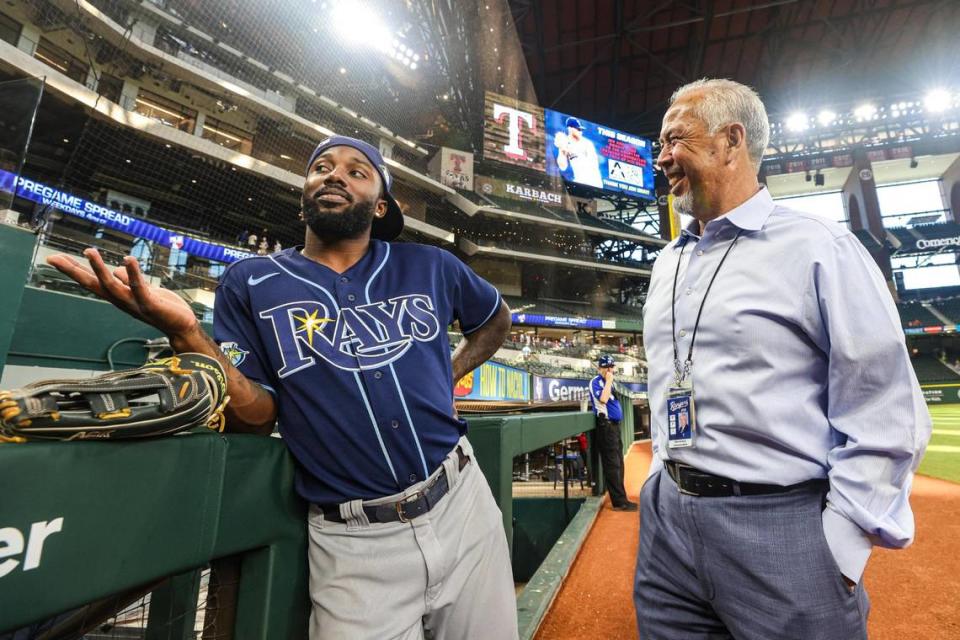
(753, 214)
(749, 216)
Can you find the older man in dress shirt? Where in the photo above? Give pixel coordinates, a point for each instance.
(772, 334)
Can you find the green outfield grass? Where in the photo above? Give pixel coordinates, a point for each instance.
(943, 453)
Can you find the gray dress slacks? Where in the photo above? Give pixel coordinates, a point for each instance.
(744, 567)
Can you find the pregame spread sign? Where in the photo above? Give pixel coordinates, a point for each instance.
(513, 132)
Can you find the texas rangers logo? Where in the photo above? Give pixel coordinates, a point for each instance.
(354, 338)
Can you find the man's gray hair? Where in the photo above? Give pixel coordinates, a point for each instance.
(725, 102)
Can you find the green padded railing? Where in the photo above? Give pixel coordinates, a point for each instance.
(16, 250)
(81, 521)
(497, 440)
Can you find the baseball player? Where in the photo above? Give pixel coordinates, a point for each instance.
(342, 342)
(607, 410)
(576, 153)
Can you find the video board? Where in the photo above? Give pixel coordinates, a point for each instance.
(583, 152)
(594, 155)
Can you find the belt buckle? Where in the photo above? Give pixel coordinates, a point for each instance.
(680, 482)
(408, 499)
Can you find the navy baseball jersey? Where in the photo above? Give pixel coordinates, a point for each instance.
(359, 361)
(613, 405)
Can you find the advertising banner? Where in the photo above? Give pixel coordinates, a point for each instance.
(495, 382)
(560, 389)
(929, 238)
(836, 160)
(513, 132)
(597, 156)
(106, 217)
(510, 190)
(941, 393)
(562, 321)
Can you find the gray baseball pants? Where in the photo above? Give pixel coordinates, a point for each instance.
(445, 575)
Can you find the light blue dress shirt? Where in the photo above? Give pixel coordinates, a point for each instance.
(800, 369)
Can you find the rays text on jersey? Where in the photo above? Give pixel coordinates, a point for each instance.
(352, 338)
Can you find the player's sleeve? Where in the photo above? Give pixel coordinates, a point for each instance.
(473, 300)
(234, 331)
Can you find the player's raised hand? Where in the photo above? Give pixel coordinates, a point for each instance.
(127, 289)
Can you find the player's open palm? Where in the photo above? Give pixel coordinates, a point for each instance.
(127, 289)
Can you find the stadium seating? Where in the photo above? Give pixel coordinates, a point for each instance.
(914, 314)
(929, 370)
(949, 307)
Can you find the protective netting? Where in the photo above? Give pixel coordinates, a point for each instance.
(198, 604)
(197, 119)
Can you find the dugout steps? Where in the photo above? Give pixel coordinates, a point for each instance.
(538, 594)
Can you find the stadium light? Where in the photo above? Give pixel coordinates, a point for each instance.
(865, 112)
(357, 23)
(797, 122)
(937, 100)
(826, 117)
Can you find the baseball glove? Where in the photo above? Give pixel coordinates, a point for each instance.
(162, 397)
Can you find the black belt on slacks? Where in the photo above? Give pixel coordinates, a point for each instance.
(693, 482)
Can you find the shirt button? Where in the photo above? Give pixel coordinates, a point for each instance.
(683, 333)
(688, 291)
(395, 424)
(344, 279)
(413, 477)
(377, 374)
(351, 297)
(700, 252)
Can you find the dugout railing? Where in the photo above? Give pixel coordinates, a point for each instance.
(93, 522)
(86, 521)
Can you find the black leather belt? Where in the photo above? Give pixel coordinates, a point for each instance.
(406, 509)
(693, 482)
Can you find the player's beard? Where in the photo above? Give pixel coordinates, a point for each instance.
(349, 223)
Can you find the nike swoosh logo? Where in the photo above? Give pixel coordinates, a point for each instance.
(255, 281)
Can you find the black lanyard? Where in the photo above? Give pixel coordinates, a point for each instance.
(682, 371)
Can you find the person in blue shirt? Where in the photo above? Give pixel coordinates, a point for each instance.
(607, 410)
(787, 420)
(342, 342)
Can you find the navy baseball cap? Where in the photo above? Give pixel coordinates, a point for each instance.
(606, 361)
(390, 225)
(573, 122)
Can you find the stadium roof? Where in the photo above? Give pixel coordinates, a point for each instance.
(618, 61)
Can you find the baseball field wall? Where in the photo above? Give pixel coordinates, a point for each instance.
(86, 520)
